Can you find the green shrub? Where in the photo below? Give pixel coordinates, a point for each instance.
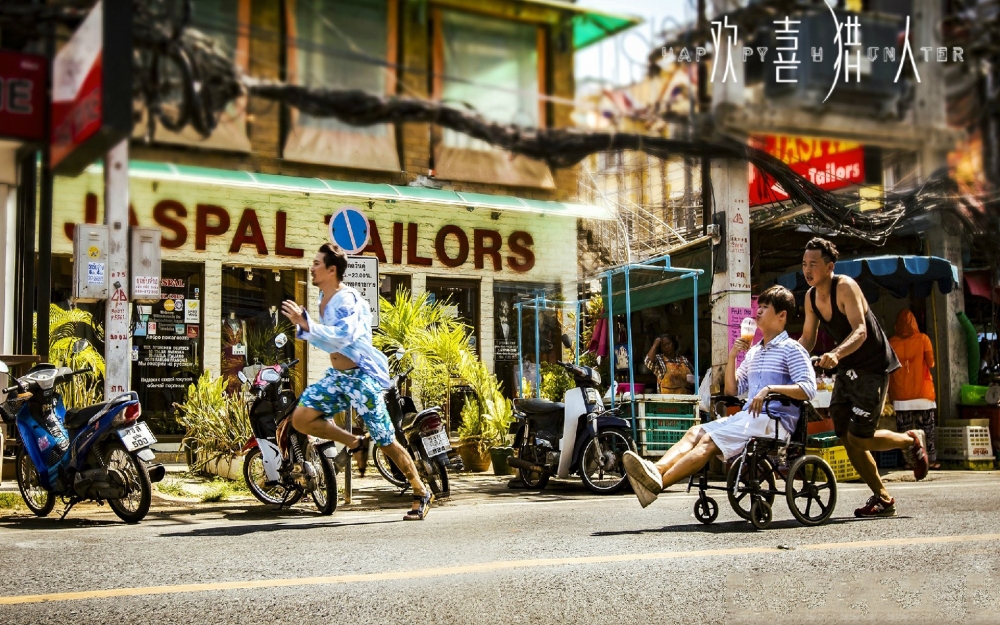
(10, 501)
(555, 381)
(217, 423)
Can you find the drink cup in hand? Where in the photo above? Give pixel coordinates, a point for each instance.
(748, 328)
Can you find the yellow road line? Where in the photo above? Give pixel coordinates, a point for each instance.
(484, 567)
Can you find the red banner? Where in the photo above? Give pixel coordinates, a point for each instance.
(22, 96)
(827, 164)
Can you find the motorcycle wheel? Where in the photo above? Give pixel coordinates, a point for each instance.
(253, 474)
(38, 500)
(388, 469)
(438, 479)
(133, 507)
(605, 475)
(532, 479)
(325, 495)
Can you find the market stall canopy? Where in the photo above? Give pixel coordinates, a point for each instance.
(896, 274)
(979, 285)
(651, 287)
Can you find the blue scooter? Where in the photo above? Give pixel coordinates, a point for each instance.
(96, 453)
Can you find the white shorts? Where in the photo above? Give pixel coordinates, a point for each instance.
(731, 434)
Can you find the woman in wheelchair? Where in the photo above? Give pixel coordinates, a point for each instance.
(777, 365)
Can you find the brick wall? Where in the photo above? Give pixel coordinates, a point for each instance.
(266, 119)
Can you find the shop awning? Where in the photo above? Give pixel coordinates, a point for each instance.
(590, 26)
(896, 274)
(650, 288)
(979, 285)
(168, 172)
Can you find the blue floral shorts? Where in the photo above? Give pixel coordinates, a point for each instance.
(339, 390)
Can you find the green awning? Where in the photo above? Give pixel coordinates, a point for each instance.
(168, 172)
(590, 26)
(650, 287)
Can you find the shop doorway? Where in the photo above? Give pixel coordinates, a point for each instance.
(389, 285)
(251, 319)
(505, 363)
(167, 347)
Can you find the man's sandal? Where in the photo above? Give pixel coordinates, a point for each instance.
(362, 445)
(421, 512)
(343, 458)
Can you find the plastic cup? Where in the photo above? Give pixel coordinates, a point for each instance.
(748, 328)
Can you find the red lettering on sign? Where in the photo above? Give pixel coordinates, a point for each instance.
(165, 214)
(480, 249)
(411, 248)
(442, 251)
(397, 243)
(374, 243)
(280, 233)
(518, 243)
(202, 228)
(248, 231)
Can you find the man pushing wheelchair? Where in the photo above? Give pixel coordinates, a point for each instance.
(777, 365)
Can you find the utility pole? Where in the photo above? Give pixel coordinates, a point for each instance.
(117, 352)
(726, 182)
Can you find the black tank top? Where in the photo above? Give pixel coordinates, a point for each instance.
(875, 355)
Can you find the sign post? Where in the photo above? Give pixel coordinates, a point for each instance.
(117, 351)
(362, 274)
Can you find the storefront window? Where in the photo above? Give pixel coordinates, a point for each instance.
(506, 295)
(389, 286)
(461, 300)
(251, 319)
(167, 344)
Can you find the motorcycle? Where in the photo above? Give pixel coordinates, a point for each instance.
(576, 436)
(422, 434)
(98, 453)
(281, 465)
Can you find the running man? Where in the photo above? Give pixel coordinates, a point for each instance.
(863, 360)
(357, 375)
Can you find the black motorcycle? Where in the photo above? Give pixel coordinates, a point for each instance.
(422, 434)
(576, 436)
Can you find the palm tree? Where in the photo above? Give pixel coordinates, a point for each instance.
(66, 327)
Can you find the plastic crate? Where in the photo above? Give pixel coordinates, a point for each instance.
(837, 458)
(663, 408)
(986, 464)
(965, 443)
(824, 440)
(657, 434)
(892, 459)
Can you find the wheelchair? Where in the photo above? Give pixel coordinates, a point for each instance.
(810, 486)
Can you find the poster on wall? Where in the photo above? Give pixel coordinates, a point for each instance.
(165, 354)
(505, 329)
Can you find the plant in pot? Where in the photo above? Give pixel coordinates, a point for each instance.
(217, 425)
(486, 420)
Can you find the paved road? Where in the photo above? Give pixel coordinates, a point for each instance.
(498, 556)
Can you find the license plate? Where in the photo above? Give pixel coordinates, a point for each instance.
(136, 436)
(436, 443)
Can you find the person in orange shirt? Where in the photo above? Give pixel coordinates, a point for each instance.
(911, 388)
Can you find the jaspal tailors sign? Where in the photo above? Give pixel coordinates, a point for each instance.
(829, 164)
(92, 88)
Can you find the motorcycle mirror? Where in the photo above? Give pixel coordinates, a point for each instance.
(280, 340)
(80, 345)
(242, 377)
(567, 340)
(400, 352)
(3, 367)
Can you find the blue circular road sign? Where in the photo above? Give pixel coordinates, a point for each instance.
(349, 229)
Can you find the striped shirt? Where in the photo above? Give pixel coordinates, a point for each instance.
(781, 362)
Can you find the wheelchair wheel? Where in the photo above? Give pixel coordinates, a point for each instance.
(741, 501)
(811, 490)
(706, 510)
(760, 513)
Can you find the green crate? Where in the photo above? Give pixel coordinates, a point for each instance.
(663, 438)
(661, 408)
(823, 440)
(661, 423)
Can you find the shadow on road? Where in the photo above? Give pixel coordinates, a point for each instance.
(729, 527)
(236, 530)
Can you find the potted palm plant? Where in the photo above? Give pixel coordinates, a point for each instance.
(485, 419)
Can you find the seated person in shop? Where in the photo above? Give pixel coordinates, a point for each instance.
(671, 369)
(778, 364)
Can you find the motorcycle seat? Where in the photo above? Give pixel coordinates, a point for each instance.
(412, 417)
(78, 417)
(534, 405)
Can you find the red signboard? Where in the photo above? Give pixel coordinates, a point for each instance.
(827, 164)
(92, 88)
(22, 96)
